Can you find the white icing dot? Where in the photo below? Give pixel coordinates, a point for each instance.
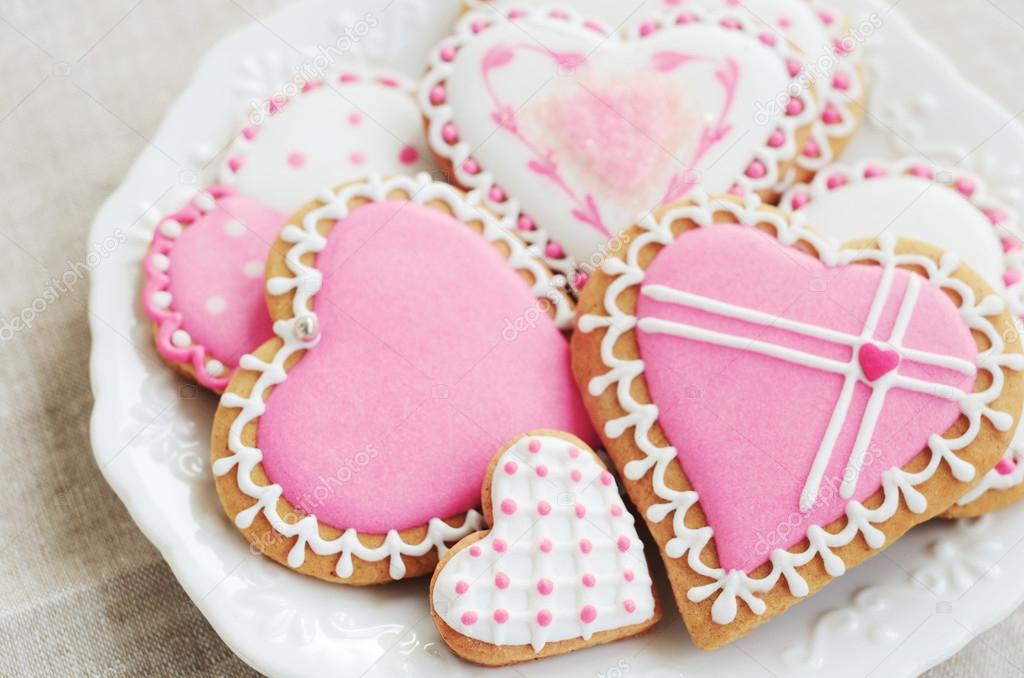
(161, 299)
(171, 228)
(205, 202)
(161, 262)
(234, 228)
(215, 368)
(253, 268)
(216, 305)
(181, 339)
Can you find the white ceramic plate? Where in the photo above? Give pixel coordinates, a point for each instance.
(904, 611)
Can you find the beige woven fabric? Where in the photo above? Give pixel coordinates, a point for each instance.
(83, 86)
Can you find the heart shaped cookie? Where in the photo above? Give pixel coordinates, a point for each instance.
(560, 568)
(204, 270)
(914, 198)
(575, 131)
(781, 408)
(414, 333)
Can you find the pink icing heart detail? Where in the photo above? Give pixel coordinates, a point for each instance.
(747, 426)
(876, 361)
(424, 365)
(550, 569)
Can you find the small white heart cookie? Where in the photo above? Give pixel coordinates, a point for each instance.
(561, 567)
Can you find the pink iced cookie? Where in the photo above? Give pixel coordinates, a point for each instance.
(577, 137)
(204, 283)
(327, 133)
(561, 565)
(425, 347)
(806, 397)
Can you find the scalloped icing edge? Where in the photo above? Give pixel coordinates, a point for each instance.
(304, 284)
(641, 417)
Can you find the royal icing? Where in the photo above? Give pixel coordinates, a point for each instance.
(915, 199)
(204, 282)
(525, 122)
(562, 560)
(331, 132)
(779, 321)
(407, 373)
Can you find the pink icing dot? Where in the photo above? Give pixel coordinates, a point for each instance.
(250, 132)
(736, 190)
(574, 453)
(581, 510)
(500, 545)
(545, 587)
(545, 546)
(812, 149)
(554, 250)
(996, 216)
(793, 66)
(756, 170)
(461, 587)
(647, 27)
(508, 507)
(685, 18)
(826, 17)
(348, 77)
(468, 618)
(1010, 245)
(799, 200)
(629, 605)
(576, 476)
(841, 81)
(408, 155)
(310, 85)
(594, 26)
(628, 575)
(357, 158)
(475, 551)
(296, 159)
(921, 171)
(794, 107)
(542, 471)
(835, 181)
(500, 616)
(534, 446)
(843, 45)
(874, 171)
(589, 581)
(831, 115)
(355, 118)
(525, 223)
(388, 82)
(767, 38)
(470, 166)
(236, 163)
(606, 478)
(776, 139)
(496, 194)
(785, 22)
(588, 614)
(544, 617)
(501, 580)
(558, 14)
(543, 507)
(623, 544)
(585, 545)
(1005, 467)
(511, 467)
(275, 105)
(450, 133)
(965, 186)
(447, 52)
(477, 26)
(731, 24)
(1011, 277)
(616, 510)
(580, 280)
(516, 14)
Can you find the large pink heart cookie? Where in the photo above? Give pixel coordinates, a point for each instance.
(577, 131)
(777, 404)
(204, 270)
(414, 333)
(560, 568)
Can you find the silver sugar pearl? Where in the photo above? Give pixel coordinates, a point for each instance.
(307, 328)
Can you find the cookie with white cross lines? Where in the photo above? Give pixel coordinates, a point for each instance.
(559, 568)
(782, 408)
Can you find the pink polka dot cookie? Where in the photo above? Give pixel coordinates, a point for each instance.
(576, 131)
(204, 272)
(413, 332)
(782, 407)
(913, 198)
(560, 567)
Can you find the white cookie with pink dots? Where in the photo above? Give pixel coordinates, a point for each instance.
(561, 568)
(331, 132)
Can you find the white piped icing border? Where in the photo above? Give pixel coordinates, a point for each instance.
(481, 182)
(642, 417)
(298, 333)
